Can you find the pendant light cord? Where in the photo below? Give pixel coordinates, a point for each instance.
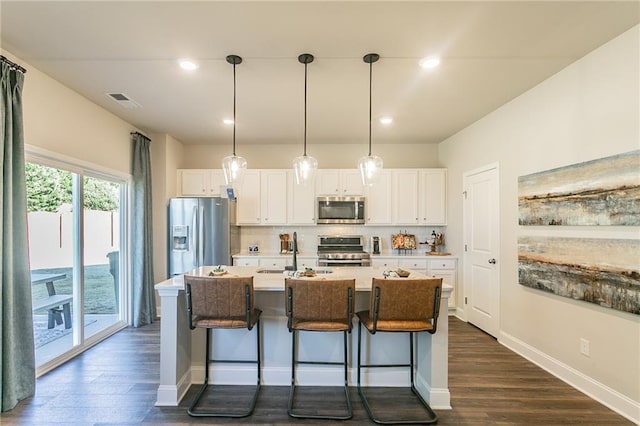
(234, 110)
(370, 78)
(305, 110)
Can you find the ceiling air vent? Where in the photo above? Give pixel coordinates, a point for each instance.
(124, 100)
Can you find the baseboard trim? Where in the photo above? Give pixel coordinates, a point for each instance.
(612, 399)
(171, 395)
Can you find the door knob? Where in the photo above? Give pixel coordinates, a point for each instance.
(492, 261)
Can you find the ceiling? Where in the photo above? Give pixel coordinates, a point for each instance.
(490, 53)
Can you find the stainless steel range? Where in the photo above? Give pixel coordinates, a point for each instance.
(342, 250)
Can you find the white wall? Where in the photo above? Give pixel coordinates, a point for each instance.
(588, 110)
(60, 120)
(166, 159)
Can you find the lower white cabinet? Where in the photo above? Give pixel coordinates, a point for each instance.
(273, 262)
(384, 262)
(447, 269)
(245, 261)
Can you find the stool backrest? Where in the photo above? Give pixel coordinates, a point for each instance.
(219, 297)
(404, 299)
(320, 300)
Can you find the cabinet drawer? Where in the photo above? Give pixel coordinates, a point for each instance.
(417, 264)
(442, 264)
(273, 262)
(246, 261)
(384, 263)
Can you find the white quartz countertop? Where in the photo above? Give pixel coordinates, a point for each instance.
(275, 281)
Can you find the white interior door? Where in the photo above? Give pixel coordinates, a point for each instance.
(481, 241)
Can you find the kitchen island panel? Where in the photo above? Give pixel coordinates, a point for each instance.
(182, 350)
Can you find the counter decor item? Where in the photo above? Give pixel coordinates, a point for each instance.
(218, 271)
(403, 242)
(435, 241)
(397, 273)
(284, 243)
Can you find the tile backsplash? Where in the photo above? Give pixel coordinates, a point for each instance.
(268, 240)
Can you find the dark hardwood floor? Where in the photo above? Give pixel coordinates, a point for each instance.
(115, 383)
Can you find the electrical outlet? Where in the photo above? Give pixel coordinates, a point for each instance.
(584, 347)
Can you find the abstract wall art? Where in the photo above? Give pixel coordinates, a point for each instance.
(601, 271)
(599, 192)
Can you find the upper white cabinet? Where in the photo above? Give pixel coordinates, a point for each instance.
(300, 202)
(273, 205)
(200, 183)
(405, 197)
(248, 209)
(432, 196)
(408, 197)
(334, 183)
(379, 208)
(262, 198)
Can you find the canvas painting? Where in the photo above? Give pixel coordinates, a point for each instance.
(599, 192)
(601, 271)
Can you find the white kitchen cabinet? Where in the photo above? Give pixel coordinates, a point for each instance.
(447, 270)
(379, 204)
(433, 196)
(335, 182)
(245, 261)
(406, 197)
(248, 195)
(262, 198)
(414, 264)
(301, 202)
(384, 262)
(273, 197)
(273, 262)
(200, 183)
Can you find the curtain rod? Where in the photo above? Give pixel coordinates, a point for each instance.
(140, 134)
(13, 64)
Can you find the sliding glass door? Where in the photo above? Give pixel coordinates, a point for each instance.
(76, 229)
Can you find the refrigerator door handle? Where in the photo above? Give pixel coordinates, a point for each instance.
(194, 229)
(201, 237)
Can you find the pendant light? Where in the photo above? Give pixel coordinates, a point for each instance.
(234, 166)
(371, 165)
(304, 166)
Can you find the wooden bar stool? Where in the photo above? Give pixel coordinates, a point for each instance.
(222, 303)
(400, 306)
(319, 306)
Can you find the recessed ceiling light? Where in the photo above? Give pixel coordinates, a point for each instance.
(227, 121)
(386, 120)
(188, 65)
(429, 62)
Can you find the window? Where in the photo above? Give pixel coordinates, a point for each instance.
(77, 244)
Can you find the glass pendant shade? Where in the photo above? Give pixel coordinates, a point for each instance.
(234, 168)
(370, 169)
(305, 168)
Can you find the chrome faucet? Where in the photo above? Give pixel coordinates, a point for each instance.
(294, 267)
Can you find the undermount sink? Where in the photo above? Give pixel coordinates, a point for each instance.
(318, 271)
(269, 271)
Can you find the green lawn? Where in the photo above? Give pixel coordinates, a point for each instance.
(99, 293)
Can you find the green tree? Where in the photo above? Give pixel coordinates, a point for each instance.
(48, 188)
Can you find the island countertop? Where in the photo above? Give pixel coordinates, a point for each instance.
(274, 281)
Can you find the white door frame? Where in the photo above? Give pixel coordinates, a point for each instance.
(465, 226)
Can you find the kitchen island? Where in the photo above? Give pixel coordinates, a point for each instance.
(182, 349)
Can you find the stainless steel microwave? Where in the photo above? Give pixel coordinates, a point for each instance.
(340, 210)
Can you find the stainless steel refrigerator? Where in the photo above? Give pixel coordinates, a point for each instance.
(202, 231)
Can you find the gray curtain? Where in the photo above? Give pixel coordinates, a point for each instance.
(144, 303)
(17, 368)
